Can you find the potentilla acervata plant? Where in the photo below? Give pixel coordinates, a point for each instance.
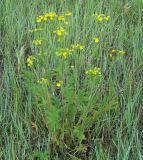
(71, 73)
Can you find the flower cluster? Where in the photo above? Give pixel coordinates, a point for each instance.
(115, 52)
(61, 18)
(64, 53)
(58, 84)
(42, 81)
(37, 42)
(95, 71)
(30, 60)
(96, 40)
(72, 67)
(78, 46)
(52, 16)
(60, 32)
(47, 16)
(68, 14)
(101, 17)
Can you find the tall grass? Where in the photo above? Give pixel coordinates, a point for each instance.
(87, 117)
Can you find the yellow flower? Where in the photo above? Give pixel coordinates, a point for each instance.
(64, 53)
(61, 18)
(78, 46)
(39, 19)
(101, 17)
(50, 16)
(95, 71)
(30, 60)
(111, 55)
(42, 81)
(121, 52)
(37, 42)
(81, 47)
(116, 52)
(72, 66)
(107, 18)
(59, 84)
(47, 16)
(60, 33)
(96, 40)
(68, 14)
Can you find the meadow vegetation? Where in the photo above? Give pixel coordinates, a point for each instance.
(71, 80)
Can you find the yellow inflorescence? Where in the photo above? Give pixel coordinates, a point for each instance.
(77, 46)
(96, 40)
(115, 52)
(52, 16)
(39, 19)
(58, 84)
(45, 17)
(118, 51)
(95, 71)
(101, 17)
(30, 60)
(60, 33)
(37, 42)
(42, 81)
(64, 53)
(72, 66)
(61, 18)
(68, 14)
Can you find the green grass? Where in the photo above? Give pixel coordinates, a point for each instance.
(88, 117)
